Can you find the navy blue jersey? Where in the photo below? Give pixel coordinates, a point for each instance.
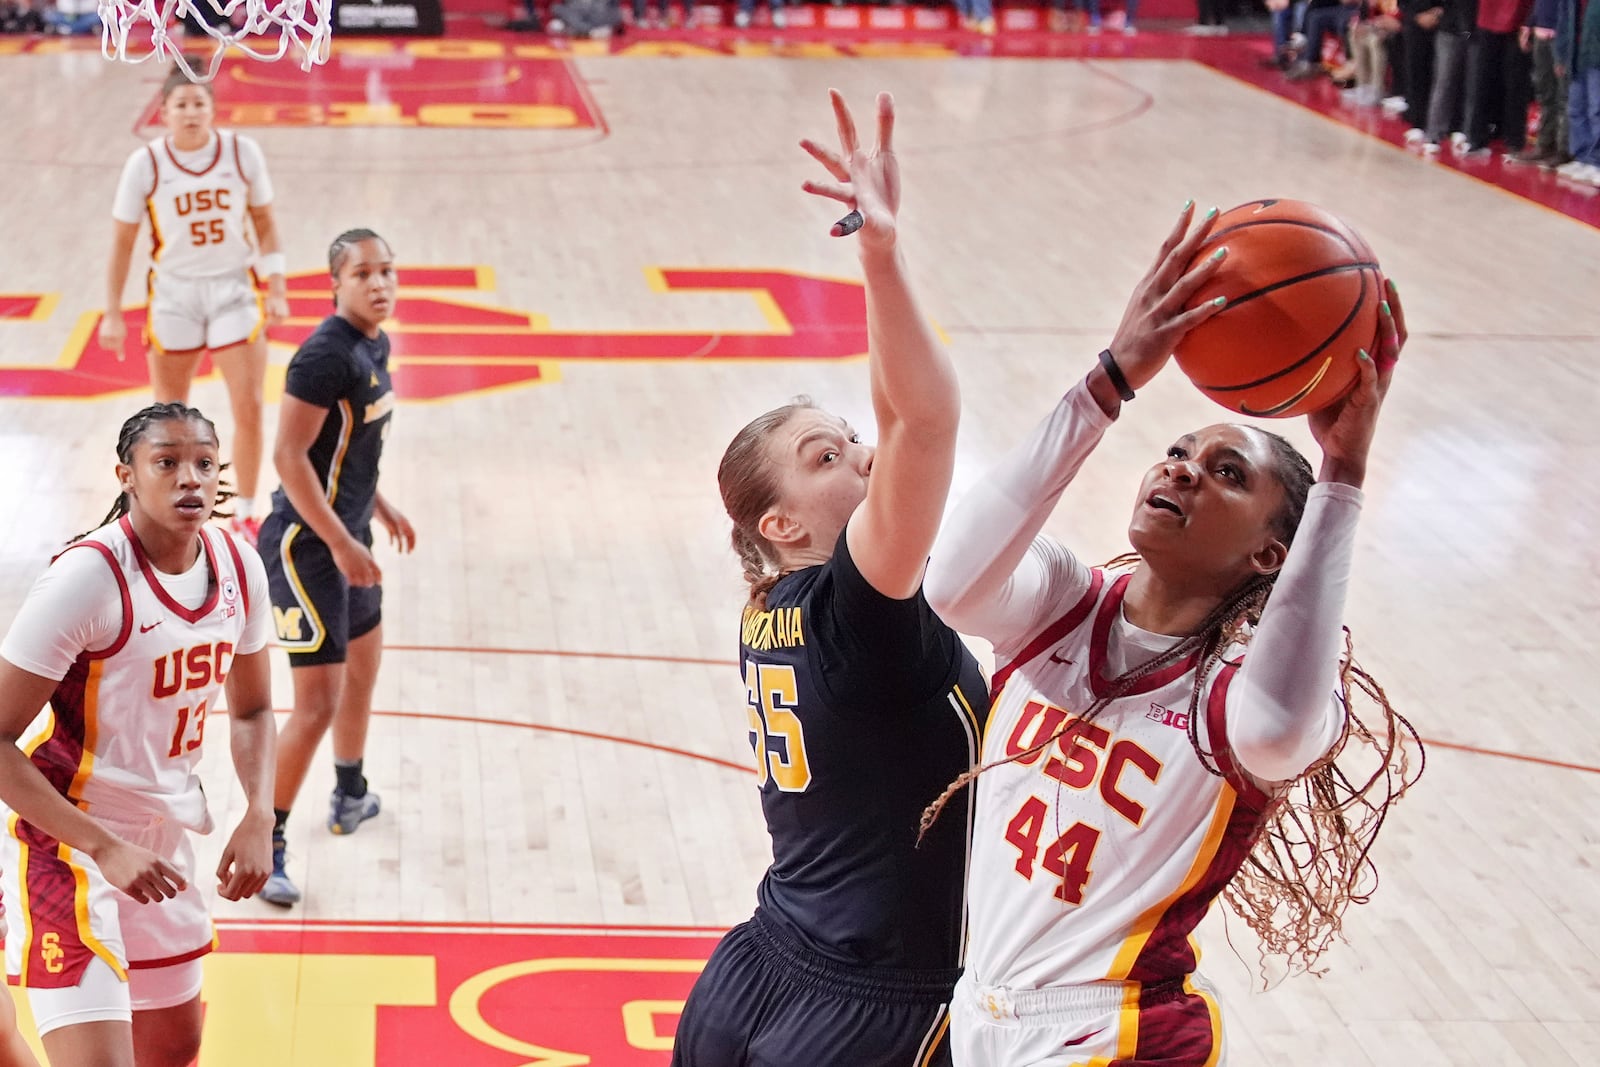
(345, 371)
(862, 708)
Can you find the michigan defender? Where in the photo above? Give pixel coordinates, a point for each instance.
(317, 541)
(860, 701)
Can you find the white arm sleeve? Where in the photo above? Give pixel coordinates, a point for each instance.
(138, 178)
(258, 628)
(254, 165)
(75, 606)
(991, 574)
(1282, 713)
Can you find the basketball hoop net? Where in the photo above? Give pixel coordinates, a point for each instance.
(306, 25)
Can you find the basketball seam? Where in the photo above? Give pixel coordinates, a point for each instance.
(1315, 352)
(1304, 225)
(1320, 273)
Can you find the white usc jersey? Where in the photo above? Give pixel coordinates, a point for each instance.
(127, 723)
(1095, 858)
(198, 213)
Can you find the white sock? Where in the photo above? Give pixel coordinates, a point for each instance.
(244, 507)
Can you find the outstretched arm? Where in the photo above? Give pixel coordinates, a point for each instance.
(1280, 716)
(914, 393)
(992, 574)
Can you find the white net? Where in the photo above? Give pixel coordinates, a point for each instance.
(133, 31)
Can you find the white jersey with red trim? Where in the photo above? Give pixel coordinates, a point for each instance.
(1095, 858)
(126, 724)
(198, 209)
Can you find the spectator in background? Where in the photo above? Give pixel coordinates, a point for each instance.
(1091, 12)
(1369, 46)
(1324, 18)
(72, 17)
(1447, 101)
(19, 16)
(663, 17)
(975, 15)
(1498, 83)
(1578, 57)
(1419, 23)
(1208, 19)
(1549, 87)
(1285, 24)
(747, 8)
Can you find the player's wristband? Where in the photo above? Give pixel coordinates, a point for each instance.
(1114, 372)
(271, 263)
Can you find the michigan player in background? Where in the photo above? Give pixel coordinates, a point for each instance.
(317, 541)
(861, 703)
(1132, 764)
(198, 186)
(131, 636)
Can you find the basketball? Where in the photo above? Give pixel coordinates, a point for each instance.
(1303, 290)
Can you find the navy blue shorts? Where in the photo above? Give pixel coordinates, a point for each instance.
(317, 612)
(766, 1001)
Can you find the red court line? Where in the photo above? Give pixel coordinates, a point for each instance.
(570, 732)
(1519, 757)
(1455, 746)
(560, 653)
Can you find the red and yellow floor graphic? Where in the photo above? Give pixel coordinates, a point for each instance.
(445, 347)
(398, 995)
(476, 84)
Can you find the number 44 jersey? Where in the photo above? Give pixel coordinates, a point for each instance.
(1097, 853)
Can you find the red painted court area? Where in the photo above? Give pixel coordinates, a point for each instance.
(456, 994)
(426, 83)
(446, 347)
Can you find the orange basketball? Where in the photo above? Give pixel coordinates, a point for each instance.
(1303, 293)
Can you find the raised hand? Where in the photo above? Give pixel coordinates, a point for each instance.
(1158, 315)
(1344, 429)
(865, 181)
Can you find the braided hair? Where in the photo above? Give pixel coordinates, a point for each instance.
(749, 487)
(134, 430)
(1312, 857)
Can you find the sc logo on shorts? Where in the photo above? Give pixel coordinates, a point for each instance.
(51, 952)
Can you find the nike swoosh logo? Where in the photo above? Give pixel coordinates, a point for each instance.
(152, 626)
(1085, 1038)
(1056, 657)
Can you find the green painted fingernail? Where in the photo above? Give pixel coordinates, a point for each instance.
(1211, 214)
(1363, 355)
(1219, 255)
(1385, 307)
(1220, 301)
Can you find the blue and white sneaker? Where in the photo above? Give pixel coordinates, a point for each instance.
(279, 890)
(346, 814)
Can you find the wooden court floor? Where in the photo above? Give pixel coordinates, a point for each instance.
(599, 294)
